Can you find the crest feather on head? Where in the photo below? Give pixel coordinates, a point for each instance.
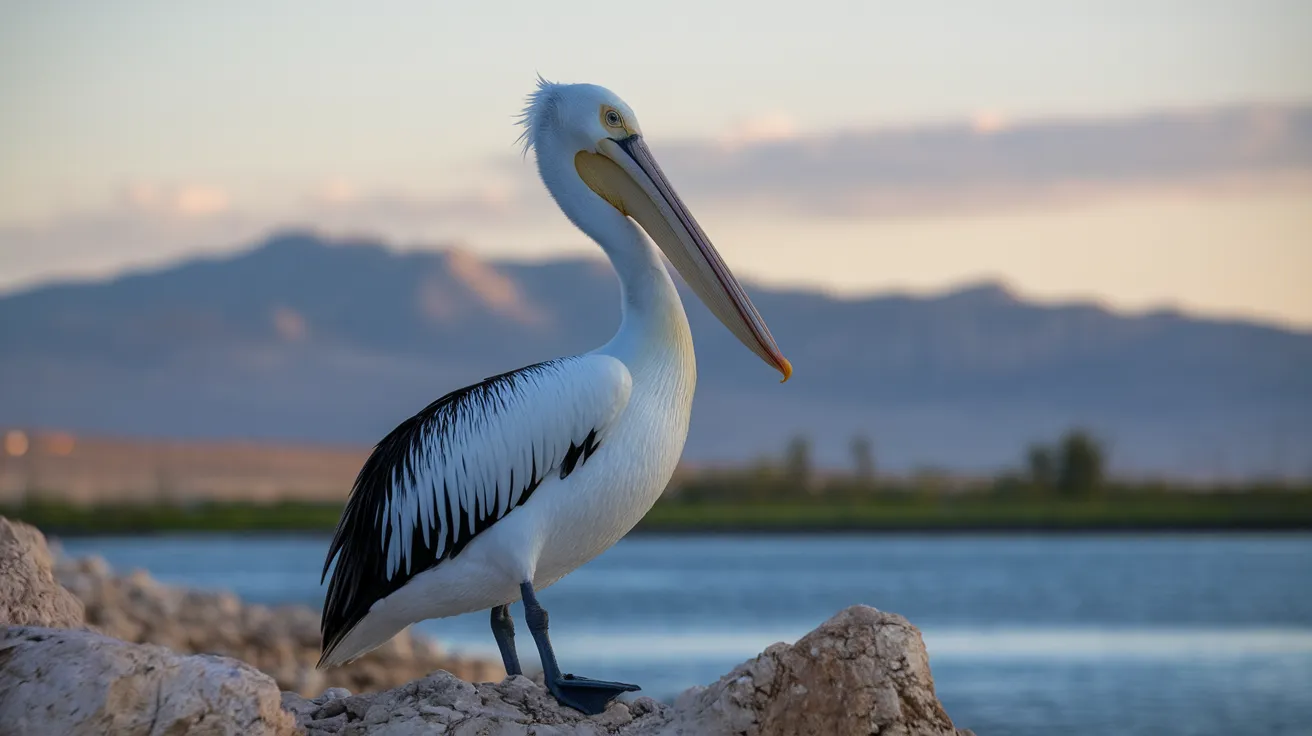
(540, 113)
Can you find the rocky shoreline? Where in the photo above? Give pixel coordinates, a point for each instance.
(83, 651)
(281, 641)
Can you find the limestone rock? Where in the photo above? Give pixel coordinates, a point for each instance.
(80, 682)
(29, 595)
(862, 672)
(282, 641)
(443, 704)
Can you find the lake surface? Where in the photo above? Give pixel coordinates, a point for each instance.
(1027, 635)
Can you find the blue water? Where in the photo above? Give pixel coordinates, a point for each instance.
(1028, 635)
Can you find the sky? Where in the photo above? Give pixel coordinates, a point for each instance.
(138, 133)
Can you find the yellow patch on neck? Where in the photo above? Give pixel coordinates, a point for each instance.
(613, 184)
(606, 178)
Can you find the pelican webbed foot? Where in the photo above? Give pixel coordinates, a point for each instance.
(587, 696)
(580, 693)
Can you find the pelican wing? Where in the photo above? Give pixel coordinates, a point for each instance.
(455, 468)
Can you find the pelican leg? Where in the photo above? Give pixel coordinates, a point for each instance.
(503, 630)
(579, 693)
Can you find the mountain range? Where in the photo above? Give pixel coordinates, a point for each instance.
(301, 338)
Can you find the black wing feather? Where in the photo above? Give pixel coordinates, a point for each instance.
(359, 545)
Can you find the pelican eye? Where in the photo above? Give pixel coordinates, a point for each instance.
(613, 119)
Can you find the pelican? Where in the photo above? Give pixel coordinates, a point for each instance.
(497, 490)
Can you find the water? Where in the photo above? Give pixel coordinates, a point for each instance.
(1027, 635)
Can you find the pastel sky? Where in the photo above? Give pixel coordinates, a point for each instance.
(137, 133)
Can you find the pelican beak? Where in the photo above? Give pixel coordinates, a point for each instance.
(624, 173)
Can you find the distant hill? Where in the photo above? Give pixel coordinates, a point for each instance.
(301, 339)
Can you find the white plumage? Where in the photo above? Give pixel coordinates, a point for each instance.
(486, 459)
(503, 487)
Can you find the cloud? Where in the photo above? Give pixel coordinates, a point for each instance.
(144, 222)
(344, 206)
(99, 243)
(189, 200)
(337, 190)
(775, 126)
(990, 161)
(765, 166)
(985, 122)
(148, 224)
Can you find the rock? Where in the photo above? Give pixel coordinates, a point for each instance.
(80, 682)
(29, 595)
(282, 642)
(861, 672)
(443, 704)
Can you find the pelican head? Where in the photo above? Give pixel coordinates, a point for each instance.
(595, 162)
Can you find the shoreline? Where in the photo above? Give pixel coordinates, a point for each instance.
(1128, 513)
(1292, 529)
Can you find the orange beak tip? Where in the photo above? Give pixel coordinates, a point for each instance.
(785, 368)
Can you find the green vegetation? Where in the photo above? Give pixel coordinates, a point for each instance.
(1075, 467)
(986, 511)
(1062, 487)
(1122, 509)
